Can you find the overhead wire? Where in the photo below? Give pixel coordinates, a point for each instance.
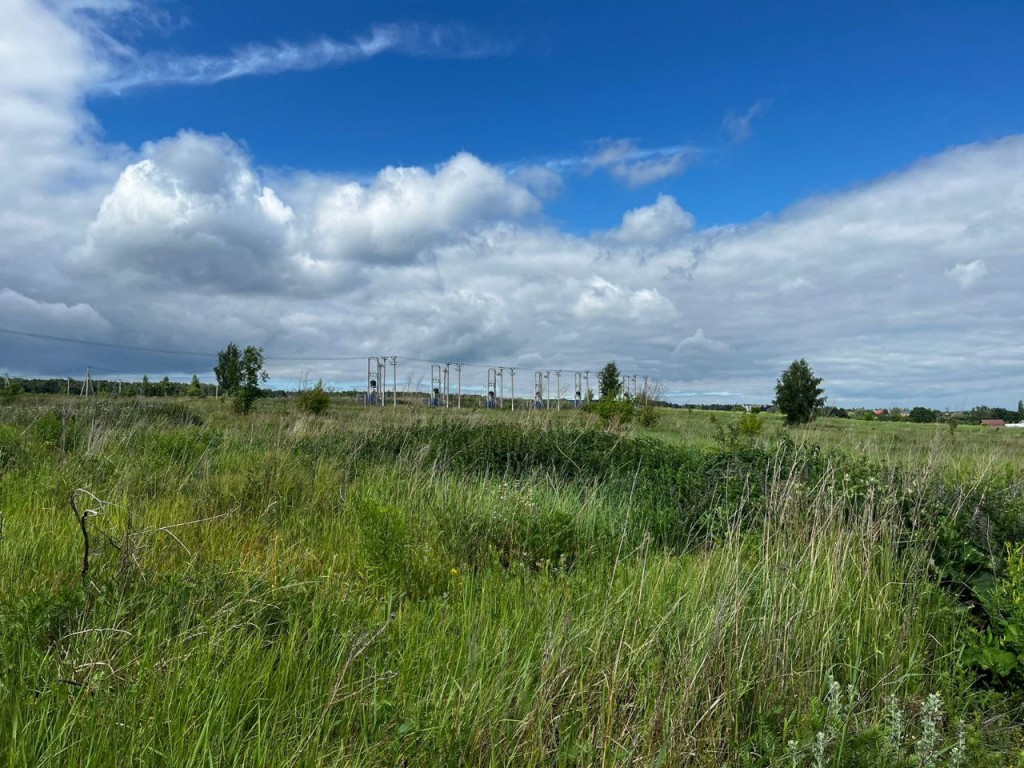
(267, 358)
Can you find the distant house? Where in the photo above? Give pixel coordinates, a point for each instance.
(1018, 425)
(993, 423)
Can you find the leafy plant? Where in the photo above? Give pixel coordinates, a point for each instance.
(613, 411)
(999, 648)
(315, 399)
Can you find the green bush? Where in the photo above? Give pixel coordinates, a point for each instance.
(314, 400)
(749, 425)
(613, 411)
(10, 392)
(647, 415)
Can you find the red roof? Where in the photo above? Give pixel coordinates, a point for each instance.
(993, 423)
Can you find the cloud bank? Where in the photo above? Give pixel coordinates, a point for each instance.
(903, 290)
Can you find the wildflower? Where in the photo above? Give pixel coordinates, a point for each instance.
(454, 571)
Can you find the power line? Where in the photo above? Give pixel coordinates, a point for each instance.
(156, 350)
(191, 353)
(107, 344)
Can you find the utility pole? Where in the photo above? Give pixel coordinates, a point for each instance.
(458, 375)
(558, 390)
(394, 379)
(512, 375)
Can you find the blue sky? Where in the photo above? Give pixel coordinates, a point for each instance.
(855, 91)
(703, 191)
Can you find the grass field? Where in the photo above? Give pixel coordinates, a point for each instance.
(381, 587)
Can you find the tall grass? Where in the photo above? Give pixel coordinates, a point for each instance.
(389, 589)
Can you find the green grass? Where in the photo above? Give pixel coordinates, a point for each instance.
(398, 586)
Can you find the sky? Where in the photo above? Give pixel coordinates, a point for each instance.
(700, 191)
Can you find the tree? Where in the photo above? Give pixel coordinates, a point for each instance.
(610, 381)
(195, 389)
(922, 415)
(240, 374)
(228, 369)
(251, 375)
(797, 393)
(145, 385)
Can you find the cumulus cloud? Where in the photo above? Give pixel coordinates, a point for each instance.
(55, 168)
(658, 223)
(604, 300)
(635, 166)
(192, 211)
(403, 211)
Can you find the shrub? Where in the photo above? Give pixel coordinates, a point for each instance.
(314, 400)
(646, 415)
(10, 392)
(749, 425)
(613, 411)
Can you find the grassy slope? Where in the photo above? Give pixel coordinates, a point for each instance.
(350, 596)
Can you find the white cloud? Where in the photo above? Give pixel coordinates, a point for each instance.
(659, 223)
(967, 274)
(699, 342)
(133, 70)
(738, 126)
(406, 210)
(191, 211)
(634, 166)
(605, 301)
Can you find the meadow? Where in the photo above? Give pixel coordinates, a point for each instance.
(181, 585)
